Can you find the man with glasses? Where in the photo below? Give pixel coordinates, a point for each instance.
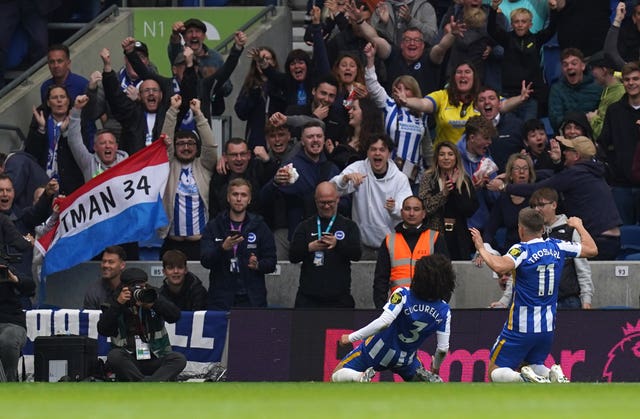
(411, 57)
(326, 244)
(238, 162)
(141, 120)
(584, 189)
(187, 195)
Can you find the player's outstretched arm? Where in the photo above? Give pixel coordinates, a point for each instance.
(499, 264)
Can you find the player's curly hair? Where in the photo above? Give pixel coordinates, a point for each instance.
(433, 278)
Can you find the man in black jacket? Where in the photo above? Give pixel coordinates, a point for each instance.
(412, 235)
(140, 347)
(180, 286)
(326, 244)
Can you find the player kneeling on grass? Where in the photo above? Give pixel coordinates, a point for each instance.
(410, 316)
(527, 335)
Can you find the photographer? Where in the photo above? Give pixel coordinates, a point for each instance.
(13, 332)
(134, 320)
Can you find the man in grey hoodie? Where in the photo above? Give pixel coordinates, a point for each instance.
(105, 146)
(576, 286)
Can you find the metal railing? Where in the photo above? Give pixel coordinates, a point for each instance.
(18, 132)
(84, 28)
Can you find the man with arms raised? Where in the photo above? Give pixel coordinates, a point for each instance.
(527, 334)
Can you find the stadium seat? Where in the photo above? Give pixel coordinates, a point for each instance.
(629, 241)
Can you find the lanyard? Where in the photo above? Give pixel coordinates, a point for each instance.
(233, 228)
(333, 218)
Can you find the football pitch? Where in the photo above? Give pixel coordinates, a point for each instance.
(318, 400)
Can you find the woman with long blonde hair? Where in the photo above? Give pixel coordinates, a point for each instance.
(449, 199)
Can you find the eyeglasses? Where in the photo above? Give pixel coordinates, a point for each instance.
(540, 205)
(238, 155)
(520, 168)
(325, 203)
(413, 40)
(185, 143)
(150, 90)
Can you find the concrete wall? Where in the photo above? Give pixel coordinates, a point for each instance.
(476, 287)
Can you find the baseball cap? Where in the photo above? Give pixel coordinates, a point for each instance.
(195, 23)
(179, 59)
(601, 59)
(142, 47)
(133, 275)
(583, 145)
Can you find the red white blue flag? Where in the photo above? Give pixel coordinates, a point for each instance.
(123, 204)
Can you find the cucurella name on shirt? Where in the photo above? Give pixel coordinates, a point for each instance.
(424, 308)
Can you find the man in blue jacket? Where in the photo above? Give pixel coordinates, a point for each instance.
(238, 248)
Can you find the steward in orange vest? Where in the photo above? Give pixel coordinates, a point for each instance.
(398, 255)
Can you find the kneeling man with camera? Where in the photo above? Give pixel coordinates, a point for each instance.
(135, 322)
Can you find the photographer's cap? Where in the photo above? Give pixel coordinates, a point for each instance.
(132, 276)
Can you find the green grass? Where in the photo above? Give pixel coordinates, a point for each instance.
(317, 400)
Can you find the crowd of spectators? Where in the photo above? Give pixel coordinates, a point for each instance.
(403, 126)
(408, 125)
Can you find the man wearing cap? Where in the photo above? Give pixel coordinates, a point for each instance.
(586, 193)
(129, 75)
(186, 198)
(193, 32)
(619, 142)
(134, 320)
(602, 71)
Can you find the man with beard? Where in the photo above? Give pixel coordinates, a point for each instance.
(141, 120)
(402, 248)
(325, 244)
(293, 189)
(193, 32)
(411, 57)
(321, 107)
(378, 189)
(238, 249)
(237, 162)
(187, 195)
(103, 290)
(575, 91)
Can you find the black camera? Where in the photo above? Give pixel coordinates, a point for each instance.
(141, 293)
(7, 259)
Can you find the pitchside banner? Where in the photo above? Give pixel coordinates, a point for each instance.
(199, 335)
(302, 345)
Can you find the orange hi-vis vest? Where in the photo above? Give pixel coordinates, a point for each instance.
(403, 260)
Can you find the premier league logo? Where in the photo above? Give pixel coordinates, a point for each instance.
(623, 363)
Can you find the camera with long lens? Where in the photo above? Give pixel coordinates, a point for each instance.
(142, 293)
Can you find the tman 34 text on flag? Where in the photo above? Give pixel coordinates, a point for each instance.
(123, 204)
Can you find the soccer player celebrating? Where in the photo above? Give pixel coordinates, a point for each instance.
(527, 334)
(410, 316)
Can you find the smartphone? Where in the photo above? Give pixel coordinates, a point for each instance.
(235, 234)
